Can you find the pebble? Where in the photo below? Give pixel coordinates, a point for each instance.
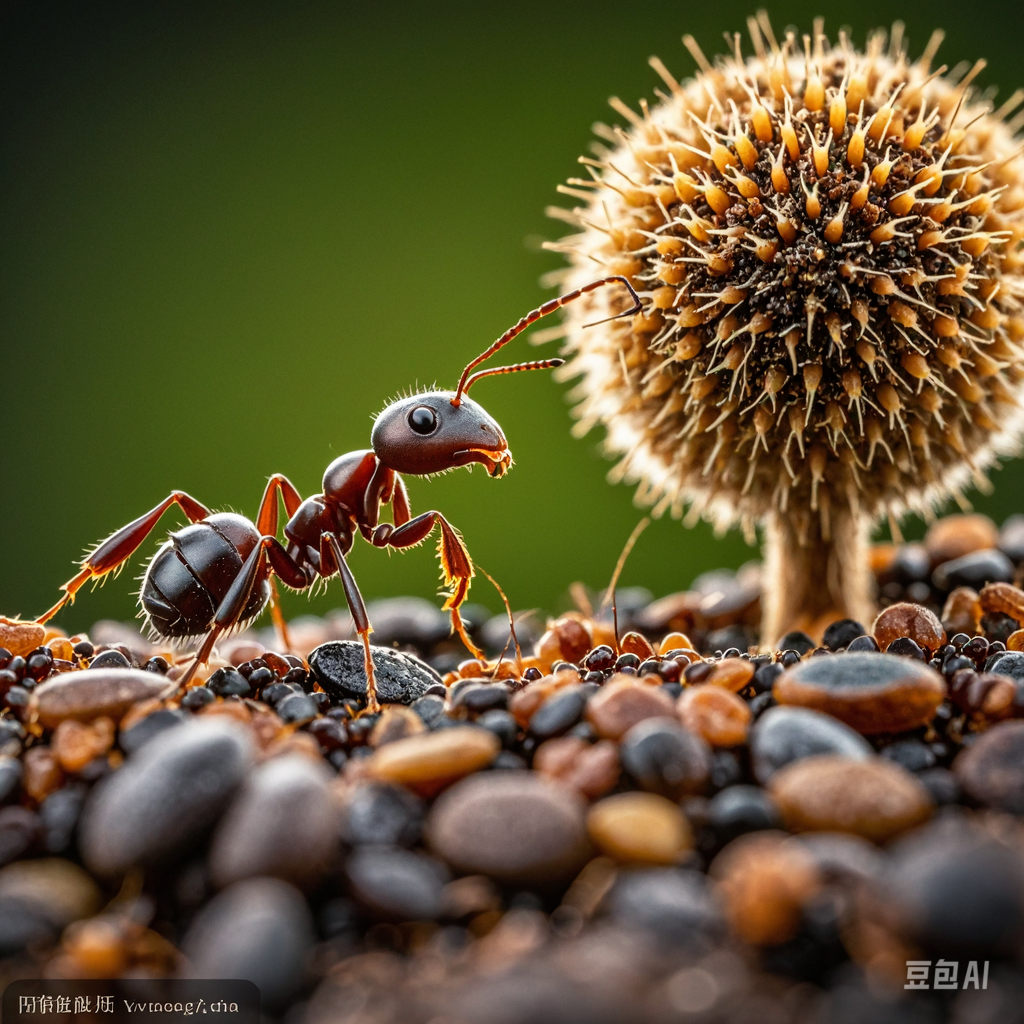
(675, 904)
(378, 814)
(148, 728)
(395, 723)
(59, 814)
(283, 823)
(639, 828)
(736, 810)
(258, 930)
(732, 673)
(991, 770)
(871, 692)
(62, 890)
(718, 716)
(20, 638)
(20, 830)
(765, 880)
(512, 826)
(166, 797)
(10, 777)
(296, 709)
(1010, 663)
(989, 565)
(622, 702)
(874, 798)
(913, 754)
(962, 612)
(957, 535)
(592, 769)
(1004, 599)
(402, 621)
(339, 668)
(397, 885)
(434, 758)
(906, 619)
(43, 773)
(93, 693)
(77, 743)
(664, 758)
(783, 735)
(559, 713)
(842, 633)
(1011, 537)
(24, 926)
(480, 697)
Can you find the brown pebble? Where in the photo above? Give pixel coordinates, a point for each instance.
(717, 715)
(764, 880)
(868, 691)
(566, 639)
(63, 890)
(42, 773)
(962, 612)
(907, 619)
(96, 947)
(395, 723)
(639, 828)
(634, 643)
(875, 798)
(1003, 598)
(1015, 641)
(77, 743)
(61, 648)
(437, 757)
(592, 769)
(675, 642)
(622, 702)
(731, 673)
(956, 535)
(93, 693)
(991, 770)
(20, 638)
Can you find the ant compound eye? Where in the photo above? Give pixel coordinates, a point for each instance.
(423, 419)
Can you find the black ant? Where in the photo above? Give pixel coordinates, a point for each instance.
(217, 574)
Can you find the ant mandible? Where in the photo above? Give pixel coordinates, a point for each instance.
(217, 574)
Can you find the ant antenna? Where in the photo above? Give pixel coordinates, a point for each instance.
(537, 364)
(532, 317)
(619, 566)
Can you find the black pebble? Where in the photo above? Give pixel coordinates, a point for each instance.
(842, 633)
(480, 697)
(1010, 663)
(796, 641)
(560, 712)
(10, 777)
(761, 703)
(502, 724)
(197, 697)
(59, 814)
(110, 659)
(296, 707)
(430, 709)
(740, 809)
(152, 725)
(942, 785)
(382, 815)
(401, 678)
(974, 570)
(912, 754)
(663, 757)
(765, 676)
(508, 761)
(862, 643)
(393, 884)
(726, 769)
(906, 647)
(227, 682)
(20, 831)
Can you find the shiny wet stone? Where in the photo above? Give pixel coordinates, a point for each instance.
(783, 735)
(339, 667)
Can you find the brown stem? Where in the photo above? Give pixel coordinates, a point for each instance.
(814, 574)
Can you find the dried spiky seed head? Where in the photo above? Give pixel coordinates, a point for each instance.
(826, 243)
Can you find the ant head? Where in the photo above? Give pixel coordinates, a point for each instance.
(429, 433)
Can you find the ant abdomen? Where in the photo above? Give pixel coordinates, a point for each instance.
(191, 573)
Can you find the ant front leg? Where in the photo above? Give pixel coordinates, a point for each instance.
(266, 523)
(268, 557)
(112, 553)
(456, 565)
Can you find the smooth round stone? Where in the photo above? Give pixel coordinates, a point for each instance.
(1009, 663)
(622, 702)
(675, 905)
(149, 728)
(974, 570)
(875, 799)
(434, 757)
(166, 797)
(639, 828)
(94, 693)
(783, 735)
(59, 888)
(991, 770)
(737, 810)
(378, 814)
(283, 823)
(340, 668)
(10, 777)
(561, 711)
(20, 638)
(719, 717)
(870, 692)
(512, 826)
(663, 757)
(908, 619)
(20, 831)
(60, 813)
(396, 884)
(259, 930)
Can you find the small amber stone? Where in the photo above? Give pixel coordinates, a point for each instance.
(1003, 598)
(956, 535)
(434, 757)
(622, 702)
(75, 744)
(634, 643)
(42, 773)
(732, 673)
(675, 642)
(715, 714)
(20, 638)
(765, 880)
(1015, 641)
(590, 769)
(962, 612)
(907, 619)
(639, 828)
(97, 948)
(62, 648)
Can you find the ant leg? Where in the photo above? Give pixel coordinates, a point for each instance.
(112, 553)
(254, 570)
(357, 607)
(456, 565)
(266, 523)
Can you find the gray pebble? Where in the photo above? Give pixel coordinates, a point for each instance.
(282, 823)
(149, 728)
(379, 814)
(1008, 663)
(340, 669)
(165, 798)
(397, 884)
(786, 734)
(259, 930)
(93, 693)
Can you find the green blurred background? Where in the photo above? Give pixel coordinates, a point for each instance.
(231, 231)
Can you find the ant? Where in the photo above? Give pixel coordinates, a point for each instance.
(217, 574)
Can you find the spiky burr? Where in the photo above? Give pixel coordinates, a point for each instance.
(826, 244)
